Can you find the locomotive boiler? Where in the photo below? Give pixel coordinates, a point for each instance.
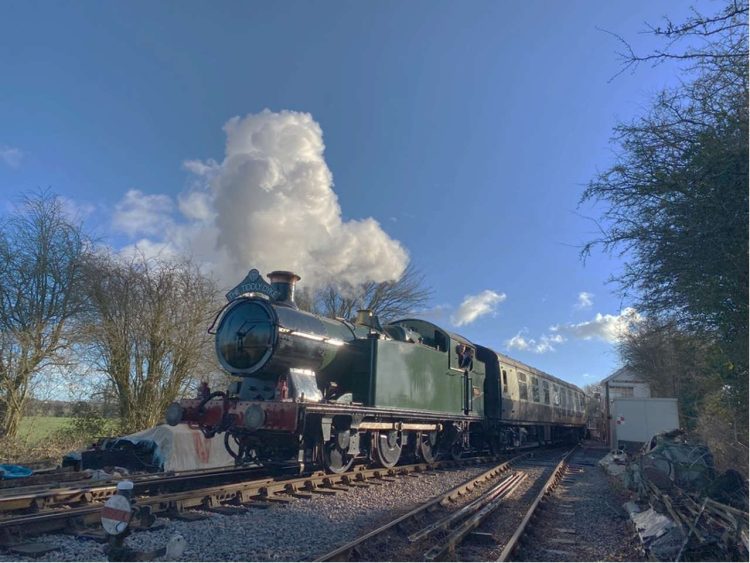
(323, 391)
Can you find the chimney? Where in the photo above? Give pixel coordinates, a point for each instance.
(284, 282)
(365, 317)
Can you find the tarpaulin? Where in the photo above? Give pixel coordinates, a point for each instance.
(180, 448)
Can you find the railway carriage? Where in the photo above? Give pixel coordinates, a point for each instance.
(329, 391)
(533, 406)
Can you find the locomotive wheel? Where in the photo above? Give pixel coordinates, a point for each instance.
(457, 448)
(496, 445)
(388, 448)
(427, 446)
(336, 456)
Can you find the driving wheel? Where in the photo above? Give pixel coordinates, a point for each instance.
(388, 447)
(427, 446)
(336, 456)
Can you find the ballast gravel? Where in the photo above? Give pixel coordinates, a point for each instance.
(298, 531)
(588, 504)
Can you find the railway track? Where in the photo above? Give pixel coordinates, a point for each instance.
(537, 505)
(445, 524)
(44, 476)
(33, 498)
(190, 492)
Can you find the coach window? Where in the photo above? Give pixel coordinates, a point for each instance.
(545, 388)
(555, 395)
(535, 389)
(505, 382)
(523, 389)
(570, 401)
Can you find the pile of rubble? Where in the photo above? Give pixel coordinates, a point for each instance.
(683, 510)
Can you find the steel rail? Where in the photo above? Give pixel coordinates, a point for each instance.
(43, 477)
(479, 513)
(445, 522)
(548, 487)
(343, 553)
(35, 498)
(247, 493)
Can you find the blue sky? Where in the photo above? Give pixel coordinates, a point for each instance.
(459, 134)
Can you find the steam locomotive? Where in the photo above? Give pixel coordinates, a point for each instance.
(322, 391)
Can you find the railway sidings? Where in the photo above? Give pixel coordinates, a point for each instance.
(541, 505)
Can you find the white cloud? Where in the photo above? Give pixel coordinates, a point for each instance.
(11, 156)
(518, 342)
(268, 204)
(142, 214)
(196, 205)
(474, 306)
(610, 328)
(585, 300)
(200, 168)
(148, 249)
(542, 345)
(437, 314)
(76, 210)
(276, 208)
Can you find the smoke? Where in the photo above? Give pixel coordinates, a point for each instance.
(276, 208)
(270, 204)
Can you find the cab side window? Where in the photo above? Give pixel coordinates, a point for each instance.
(440, 342)
(505, 382)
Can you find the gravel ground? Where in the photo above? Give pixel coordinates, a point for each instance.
(299, 531)
(589, 510)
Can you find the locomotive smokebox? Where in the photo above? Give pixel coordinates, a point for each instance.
(284, 282)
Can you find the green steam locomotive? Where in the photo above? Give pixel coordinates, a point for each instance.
(328, 392)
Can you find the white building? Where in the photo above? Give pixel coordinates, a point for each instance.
(625, 384)
(622, 384)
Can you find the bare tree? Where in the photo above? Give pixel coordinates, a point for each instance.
(147, 331)
(675, 207)
(388, 300)
(42, 251)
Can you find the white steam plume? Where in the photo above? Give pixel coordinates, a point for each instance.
(276, 208)
(270, 204)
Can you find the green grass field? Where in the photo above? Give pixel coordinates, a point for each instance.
(36, 428)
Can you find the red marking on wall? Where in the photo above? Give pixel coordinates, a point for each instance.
(202, 447)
